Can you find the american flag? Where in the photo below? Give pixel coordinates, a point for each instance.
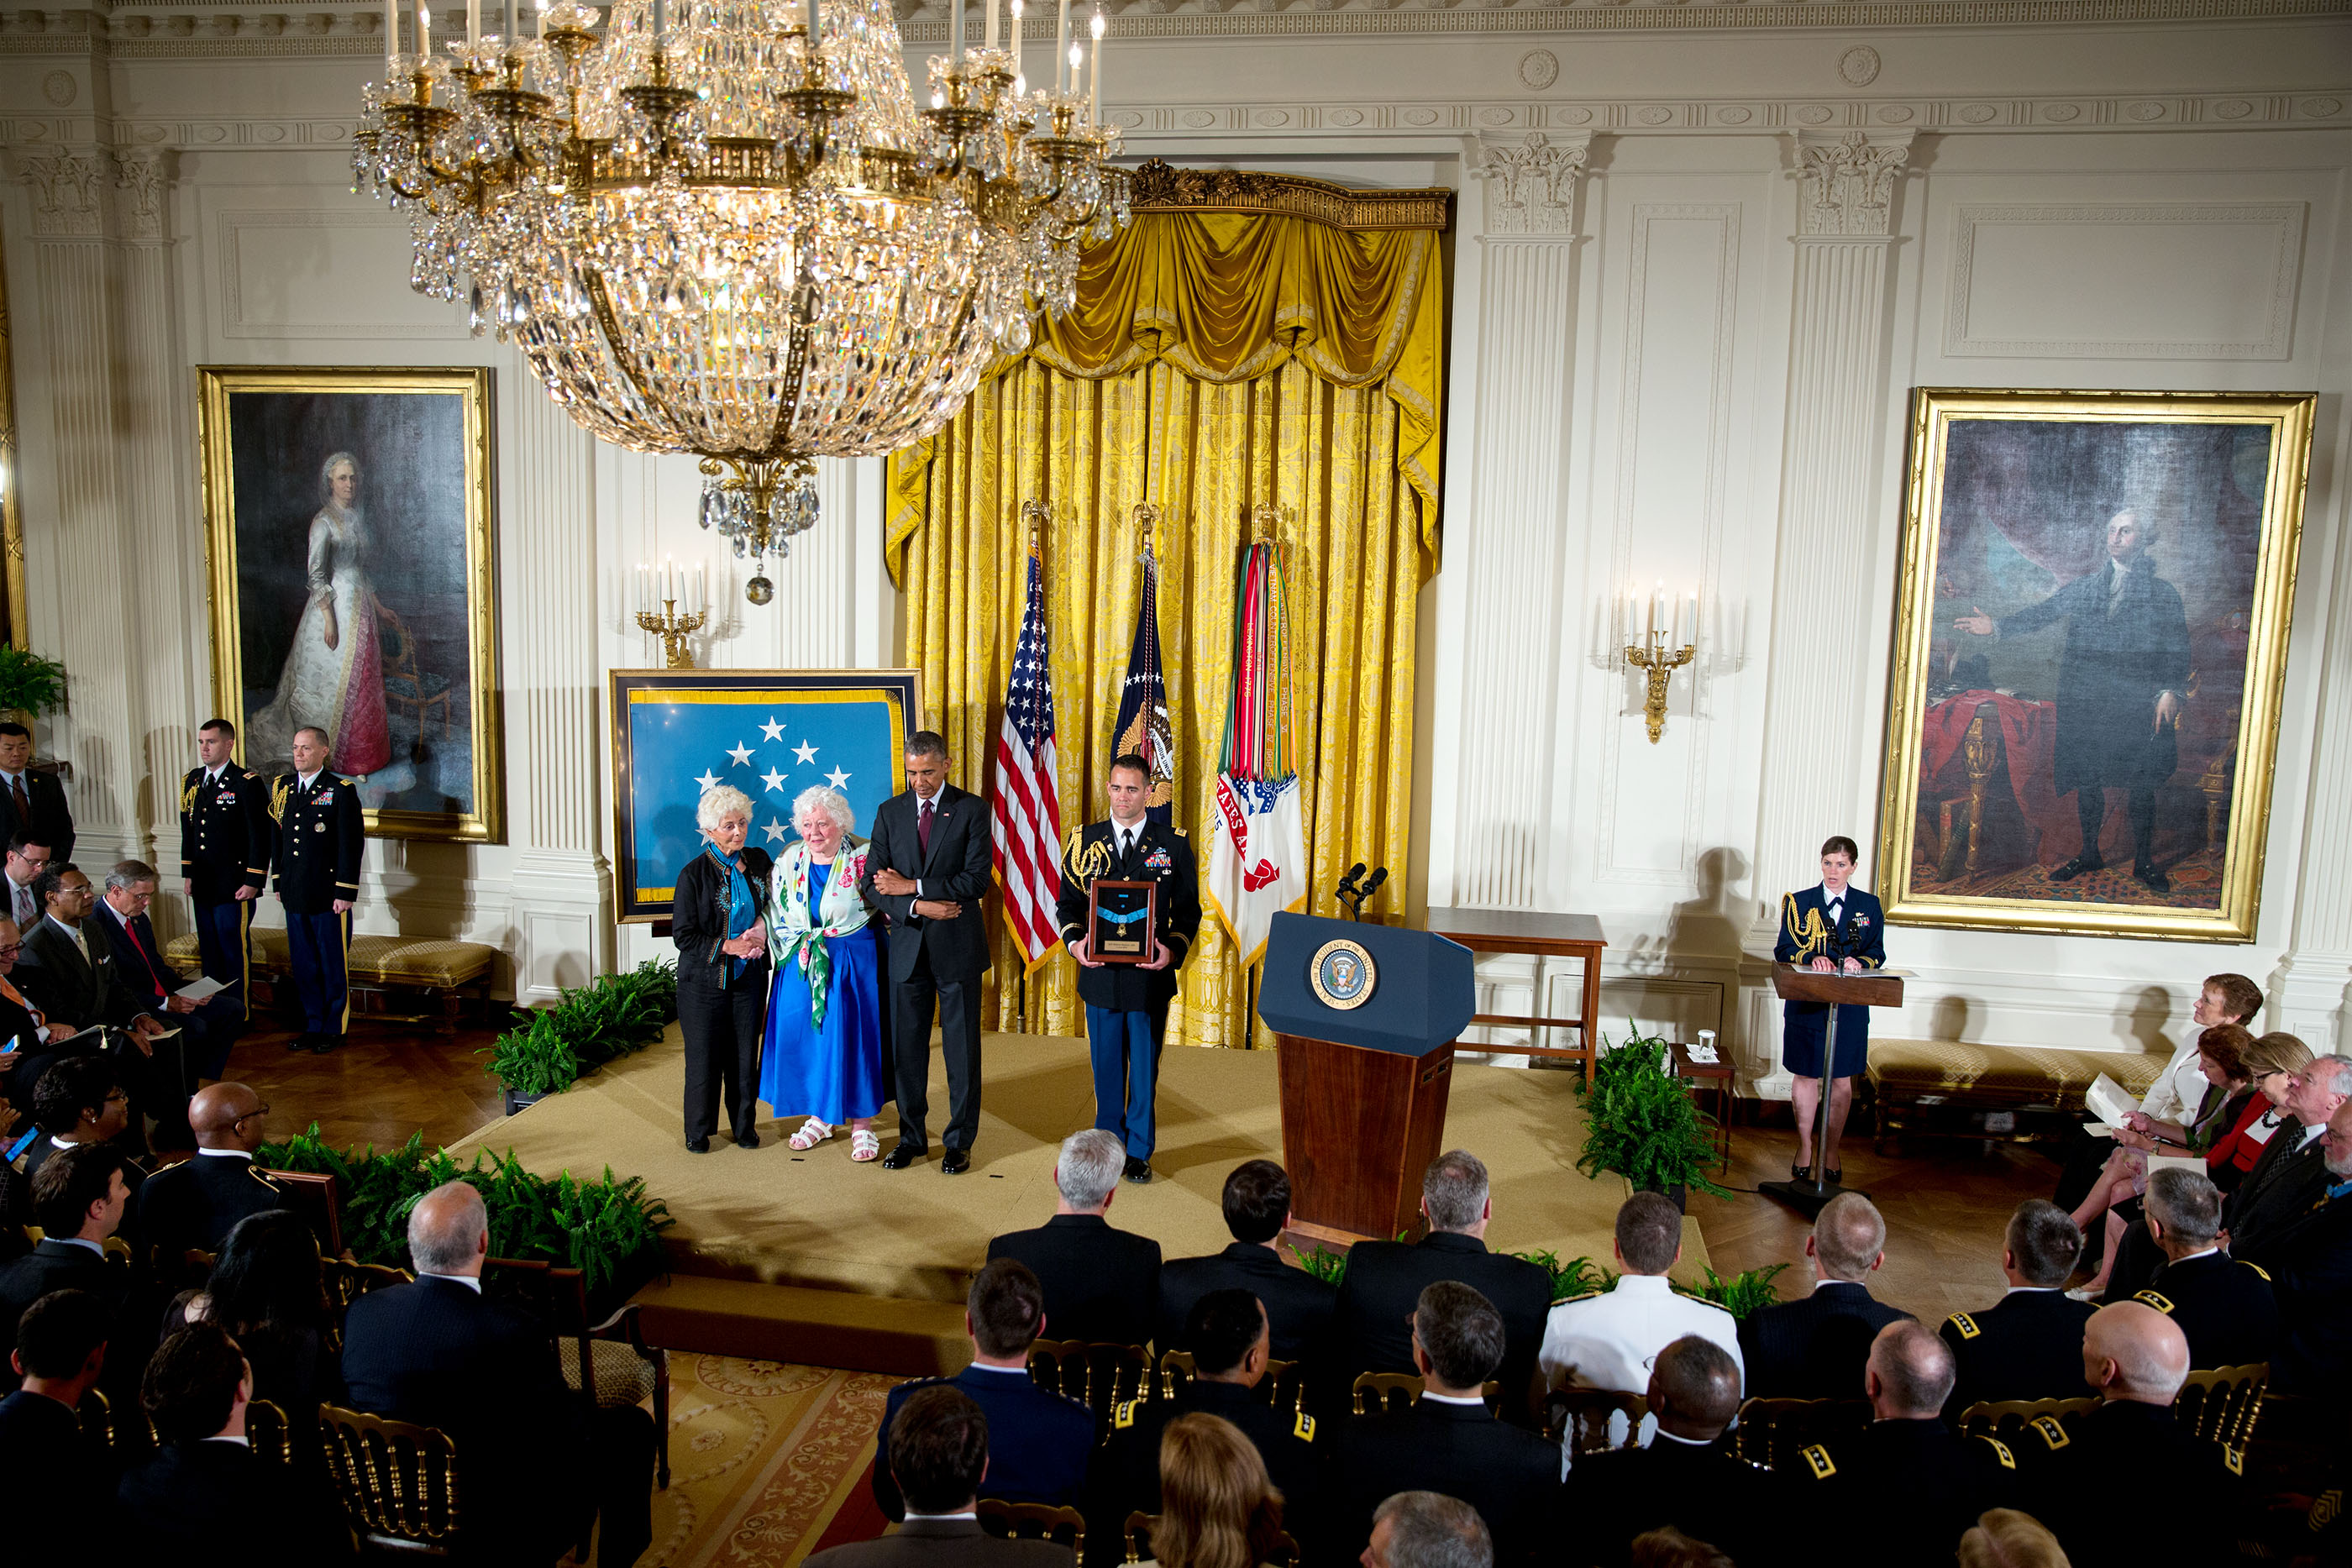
(1026, 809)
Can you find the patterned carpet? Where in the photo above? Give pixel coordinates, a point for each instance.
(2195, 883)
(763, 1457)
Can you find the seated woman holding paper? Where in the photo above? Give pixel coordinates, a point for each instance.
(2229, 1095)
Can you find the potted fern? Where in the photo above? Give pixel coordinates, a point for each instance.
(549, 1049)
(1641, 1122)
(29, 685)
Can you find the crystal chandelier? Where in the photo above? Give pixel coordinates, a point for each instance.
(728, 231)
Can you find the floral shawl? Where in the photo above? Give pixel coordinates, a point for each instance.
(793, 932)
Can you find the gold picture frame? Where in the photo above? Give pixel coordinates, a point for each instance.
(309, 591)
(2091, 631)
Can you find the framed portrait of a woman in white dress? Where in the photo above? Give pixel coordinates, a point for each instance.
(354, 584)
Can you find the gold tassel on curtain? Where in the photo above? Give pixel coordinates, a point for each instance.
(1215, 359)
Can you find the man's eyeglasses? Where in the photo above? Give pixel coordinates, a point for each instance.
(249, 1115)
(10, 949)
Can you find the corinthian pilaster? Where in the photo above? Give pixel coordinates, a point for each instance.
(1820, 751)
(2309, 996)
(1511, 536)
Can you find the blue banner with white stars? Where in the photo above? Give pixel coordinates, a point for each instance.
(770, 734)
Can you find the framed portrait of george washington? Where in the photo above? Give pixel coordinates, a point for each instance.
(353, 568)
(2090, 644)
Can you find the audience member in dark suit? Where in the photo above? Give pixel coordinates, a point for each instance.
(1682, 1478)
(926, 869)
(2224, 1305)
(2028, 1344)
(531, 1454)
(1428, 1530)
(81, 1100)
(1449, 1442)
(937, 1448)
(69, 974)
(1228, 1338)
(207, 1029)
(269, 1292)
(2313, 1284)
(206, 1498)
(24, 1032)
(1298, 1306)
(61, 1479)
(1909, 1486)
(31, 803)
(190, 1207)
(2135, 1360)
(78, 1201)
(1102, 1284)
(1816, 1348)
(1385, 1278)
(27, 854)
(723, 970)
(2291, 1174)
(1041, 1440)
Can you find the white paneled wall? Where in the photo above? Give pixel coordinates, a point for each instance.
(1694, 275)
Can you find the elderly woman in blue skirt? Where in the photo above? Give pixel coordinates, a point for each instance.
(824, 1048)
(718, 918)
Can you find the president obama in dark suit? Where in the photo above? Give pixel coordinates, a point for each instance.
(927, 868)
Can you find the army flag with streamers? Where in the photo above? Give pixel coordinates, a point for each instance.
(1257, 832)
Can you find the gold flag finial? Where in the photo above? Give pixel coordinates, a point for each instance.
(1146, 516)
(1266, 521)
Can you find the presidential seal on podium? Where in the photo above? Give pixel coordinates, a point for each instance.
(1342, 974)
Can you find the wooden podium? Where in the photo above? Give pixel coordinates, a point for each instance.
(1364, 1085)
(1869, 988)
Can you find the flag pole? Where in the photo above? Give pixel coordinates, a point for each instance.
(1034, 516)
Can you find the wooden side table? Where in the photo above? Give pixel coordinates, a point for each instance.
(1542, 936)
(1714, 1077)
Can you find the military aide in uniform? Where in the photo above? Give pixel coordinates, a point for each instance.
(225, 843)
(1127, 1004)
(322, 834)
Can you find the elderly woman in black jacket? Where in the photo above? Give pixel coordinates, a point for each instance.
(718, 920)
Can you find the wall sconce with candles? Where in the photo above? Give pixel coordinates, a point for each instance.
(1666, 646)
(672, 588)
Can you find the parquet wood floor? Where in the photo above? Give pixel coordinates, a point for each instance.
(389, 1080)
(1947, 1205)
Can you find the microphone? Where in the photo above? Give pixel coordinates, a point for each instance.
(1371, 885)
(1347, 882)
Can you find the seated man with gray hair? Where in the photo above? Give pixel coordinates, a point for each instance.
(2224, 1305)
(1102, 1284)
(1428, 1530)
(1909, 1486)
(1816, 1348)
(1449, 1442)
(534, 1456)
(2028, 1344)
(1385, 1280)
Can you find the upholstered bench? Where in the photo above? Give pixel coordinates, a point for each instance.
(433, 965)
(2011, 1093)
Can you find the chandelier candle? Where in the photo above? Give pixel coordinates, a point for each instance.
(391, 39)
(989, 40)
(474, 23)
(1061, 47)
(1094, 72)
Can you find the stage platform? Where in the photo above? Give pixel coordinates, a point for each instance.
(815, 1222)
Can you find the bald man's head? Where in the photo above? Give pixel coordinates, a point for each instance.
(1695, 1389)
(2134, 1351)
(1910, 1372)
(1849, 1237)
(226, 1116)
(448, 1230)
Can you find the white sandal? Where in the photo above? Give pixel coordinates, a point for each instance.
(864, 1147)
(812, 1133)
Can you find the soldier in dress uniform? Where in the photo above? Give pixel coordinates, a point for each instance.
(225, 844)
(2224, 1305)
(2089, 1478)
(1127, 1004)
(321, 835)
(1232, 1341)
(2028, 1344)
(1910, 1486)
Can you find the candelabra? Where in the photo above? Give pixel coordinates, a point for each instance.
(1652, 654)
(669, 587)
(673, 627)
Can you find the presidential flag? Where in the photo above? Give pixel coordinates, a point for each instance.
(1143, 727)
(1026, 809)
(1257, 836)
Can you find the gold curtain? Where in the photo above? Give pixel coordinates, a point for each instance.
(1214, 361)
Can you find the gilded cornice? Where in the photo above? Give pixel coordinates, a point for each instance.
(1161, 187)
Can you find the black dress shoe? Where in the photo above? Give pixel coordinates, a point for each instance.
(2076, 867)
(300, 1042)
(749, 1138)
(904, 1154)
(955, 1162)
(2147, 876)
(1138, 1171)
(698, 1146)
(324, 1044)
